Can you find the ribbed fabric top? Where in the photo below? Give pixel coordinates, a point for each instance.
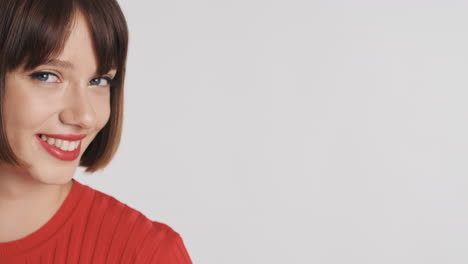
(93, 227)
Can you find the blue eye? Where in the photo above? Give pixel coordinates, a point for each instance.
(101, 81)
(45, 77)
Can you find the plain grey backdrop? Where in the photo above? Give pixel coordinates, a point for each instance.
(309, 131)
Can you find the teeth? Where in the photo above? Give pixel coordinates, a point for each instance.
(71, 146)
(51, 141)
(64, 145)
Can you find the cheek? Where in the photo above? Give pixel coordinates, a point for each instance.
(102, 109)
(25, 110)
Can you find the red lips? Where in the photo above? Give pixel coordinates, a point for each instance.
(57, 152)
(69, 137)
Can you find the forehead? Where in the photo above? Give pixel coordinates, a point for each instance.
(78, 51)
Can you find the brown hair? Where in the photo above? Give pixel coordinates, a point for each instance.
(34, 31)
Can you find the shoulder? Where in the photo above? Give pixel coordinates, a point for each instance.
(133, 236)
(163, 245)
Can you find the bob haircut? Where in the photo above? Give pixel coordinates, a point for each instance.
(33, 32)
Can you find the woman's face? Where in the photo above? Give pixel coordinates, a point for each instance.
(63, 97)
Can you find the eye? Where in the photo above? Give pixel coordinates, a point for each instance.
(45, 77)
(101, 81)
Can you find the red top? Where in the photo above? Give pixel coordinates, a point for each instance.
(93, 227)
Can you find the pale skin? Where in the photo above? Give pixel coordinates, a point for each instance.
(69, 98)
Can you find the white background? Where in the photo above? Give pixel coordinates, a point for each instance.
(295, 131)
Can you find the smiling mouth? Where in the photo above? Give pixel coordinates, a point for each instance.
(61, 149)
(65, 145)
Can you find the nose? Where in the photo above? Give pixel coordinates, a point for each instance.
(77, 109)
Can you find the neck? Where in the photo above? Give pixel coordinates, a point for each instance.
(26, 203)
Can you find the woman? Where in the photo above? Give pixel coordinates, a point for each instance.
(62, 68)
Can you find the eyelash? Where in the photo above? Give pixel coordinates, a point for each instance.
(39, 75)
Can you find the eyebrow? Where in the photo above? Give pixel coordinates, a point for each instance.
(60, 63)
(67, 64)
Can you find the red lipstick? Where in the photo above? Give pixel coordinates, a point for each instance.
(57, 152)
(69, 137)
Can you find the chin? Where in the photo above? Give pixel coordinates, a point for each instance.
(52, 175)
